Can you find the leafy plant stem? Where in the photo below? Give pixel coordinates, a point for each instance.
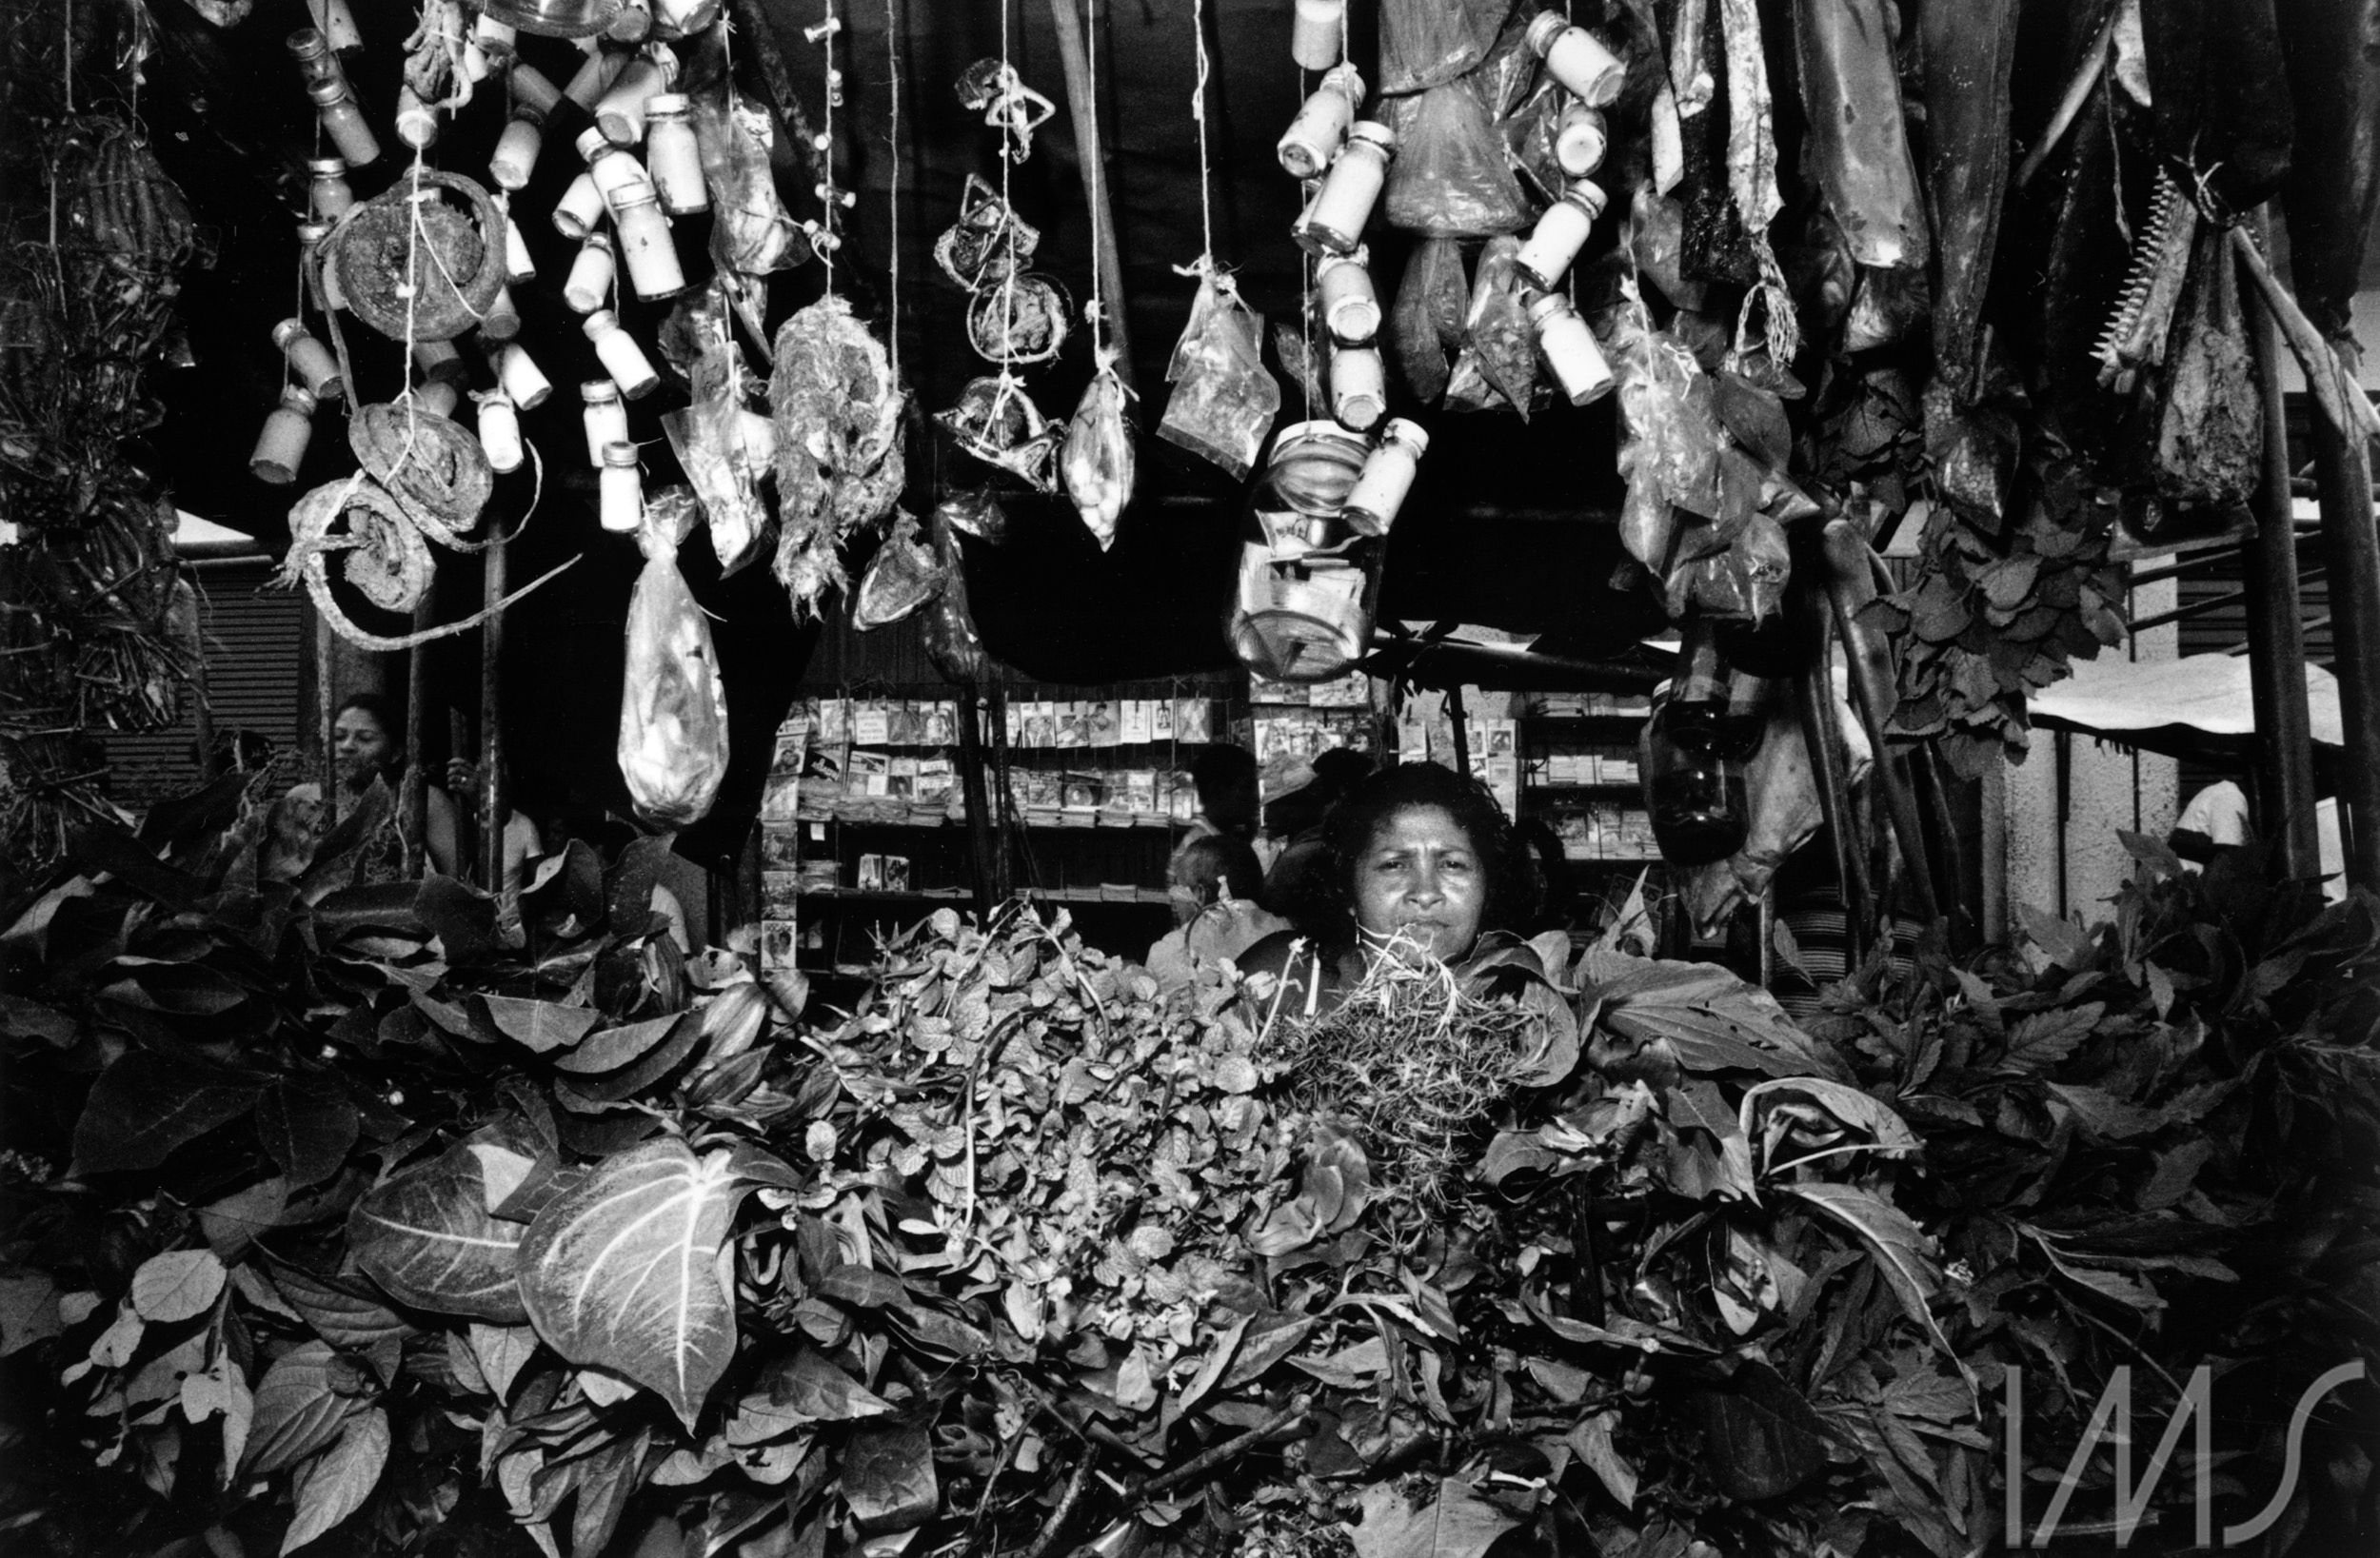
(1293, 1419)
(1838, 1152)
(1058, 1516)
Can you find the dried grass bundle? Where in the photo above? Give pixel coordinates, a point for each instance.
(1413, 1062)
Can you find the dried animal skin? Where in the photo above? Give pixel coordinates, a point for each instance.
(902, 576)
(1098, 462)
(838, 412)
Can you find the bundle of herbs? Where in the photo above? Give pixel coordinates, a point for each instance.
(335, 1219)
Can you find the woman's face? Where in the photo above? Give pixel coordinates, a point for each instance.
(1421, 881)
(362, 746)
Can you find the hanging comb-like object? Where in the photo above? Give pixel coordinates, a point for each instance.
(2135, 335)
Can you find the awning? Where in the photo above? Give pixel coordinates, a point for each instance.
(2200, 706)
(194, 538)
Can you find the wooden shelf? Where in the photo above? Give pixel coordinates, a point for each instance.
(1628, 788)
(1586, 726)
(1070, 897)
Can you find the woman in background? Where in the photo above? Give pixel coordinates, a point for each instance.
(366, 745)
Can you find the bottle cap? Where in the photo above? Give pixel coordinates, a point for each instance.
(310, 233)
(1588, 196)
(1543, 28)
(1549, 305)
(596, 392)
(308, 43)
(592, 143)
(596, 238)
(1372, 132)
(620, 454)
(287, 331)
(1360, 256)
(327, 91)
(1411, 434)
(1345, 78)
(601, 323)
(532, 90)
(661, 105)
(299, 399)
(327, 168)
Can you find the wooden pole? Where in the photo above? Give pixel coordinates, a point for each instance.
(2276, 637)
(980, 823)
(1003, 873)
(201, 701)
(326, 714)
(1814, 701)
(1083, 106)
(466, 816)
(2343, 468)
(491, 756)
(416, 787)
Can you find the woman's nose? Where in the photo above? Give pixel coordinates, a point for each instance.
(1425, 885)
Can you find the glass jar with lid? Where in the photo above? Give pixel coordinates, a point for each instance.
(1309, 583)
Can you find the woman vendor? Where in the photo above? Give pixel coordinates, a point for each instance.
(366, 745)
(1420, 861)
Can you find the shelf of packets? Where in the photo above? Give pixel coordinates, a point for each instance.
(1492, 744)
(1608, 832)
(1589, 706)
(889, 877)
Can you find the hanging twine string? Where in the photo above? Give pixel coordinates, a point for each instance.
(1093, 183)
(1198, 112)
(826, 193)
(892, 138)
(1007, 213)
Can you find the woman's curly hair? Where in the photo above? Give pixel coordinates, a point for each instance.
(1348, 830)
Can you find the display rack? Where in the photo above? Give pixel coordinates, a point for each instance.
(1579, 776)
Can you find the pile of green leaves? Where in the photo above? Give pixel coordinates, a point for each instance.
(353, 1222)
(1990, 617)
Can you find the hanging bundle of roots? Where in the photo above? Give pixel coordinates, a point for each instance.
(1413, 1064)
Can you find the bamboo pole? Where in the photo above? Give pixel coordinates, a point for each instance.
(1851, 584)
(492, 786)
(2276, 637)
(1083, 106)
(2343, 467)
(415, 790)
(466, 816)
(326, 715)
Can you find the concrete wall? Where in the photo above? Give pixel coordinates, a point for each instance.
(2063, 856)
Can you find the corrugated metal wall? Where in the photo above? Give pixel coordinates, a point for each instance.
(255, 635)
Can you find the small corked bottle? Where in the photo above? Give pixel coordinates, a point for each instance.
(502, 319)
(1561, 232)
(591, 274)
(622, 489)
(417, 122)
(1358, 387)
(580, 207)
(1580, 138)
(308, 358)
(520, 376)
(281, 445)
(315, 62)
(1569, 349)
(646, 247)
(499, 431)
(1388, 473)
(344, 122)
(620, 112)
(1335, 220)
(1573, 58)
(594, 78)
(622, 357)
(673, 157)
(517, 149)
(520, 266)
(1318, 33)
(1351, 306)
(326, 189)
(1321, 129)
(605, 417)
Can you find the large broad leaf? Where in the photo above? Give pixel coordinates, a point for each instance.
(1847, 1105)
(147, 1104)
(426, 1237)
(1761, 1437)
(888, 1478)
(541, 1025)
(1710, 1019)
(178, 1285)
(1454, 1522)
(1902, 1250)
(297, 1408)
(306, 1125)
(621, 1271)
(335, 1485)
(339, 1314)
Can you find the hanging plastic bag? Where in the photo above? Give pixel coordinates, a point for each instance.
(1098, 461)
(673, 707)
(1498, 345)
(996, 421)
(1427, 43)
(1223, 400)
(751, 231)
(723, 447)
(1427, 322)
(1450, 179)
(1672, 438)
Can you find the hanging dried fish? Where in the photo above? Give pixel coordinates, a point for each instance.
(838, 412)
(1098, 459)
